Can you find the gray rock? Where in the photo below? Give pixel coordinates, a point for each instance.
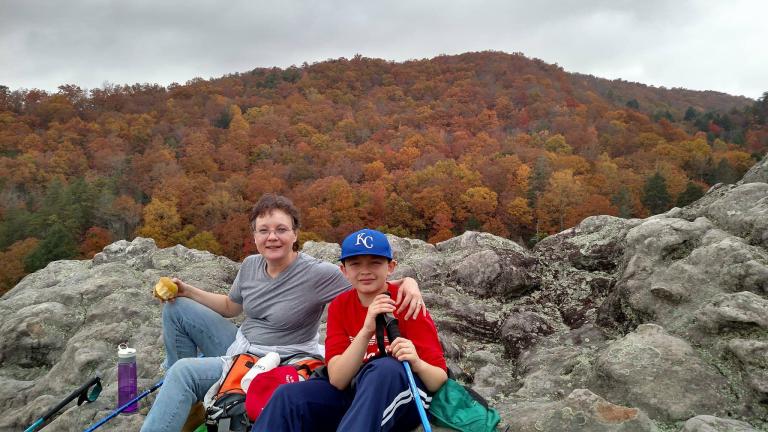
(521, 330)
(325, 251)
(743, 212)
(757, 174)
(753, 358)
(737, 310)
(661, 374)
(62, 325)
(486, 265)
(706, 423)
(596, 244)
(674, 267)
(560, 364)
(581, 411)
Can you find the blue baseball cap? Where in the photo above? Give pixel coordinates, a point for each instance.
(366, 242)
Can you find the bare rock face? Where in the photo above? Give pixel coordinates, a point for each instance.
(521, 330)
(61, 326)
(661, 374)
(657, 324)
(707, 423)
(556, 366)
(743, 212)
(757, 174)
(581, 410)
(487, 265)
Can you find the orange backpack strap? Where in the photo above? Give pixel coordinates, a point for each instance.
(305, 364)
(241, 364)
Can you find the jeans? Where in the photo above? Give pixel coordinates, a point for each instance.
(188, 327)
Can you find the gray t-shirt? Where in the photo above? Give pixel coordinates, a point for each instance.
(285, 310)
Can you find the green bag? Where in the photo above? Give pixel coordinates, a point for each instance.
(454, 407)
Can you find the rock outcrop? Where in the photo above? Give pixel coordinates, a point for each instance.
(657, 324)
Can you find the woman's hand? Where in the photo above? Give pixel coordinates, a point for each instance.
(410, 300)
(382, 303)
(182, 290)
(403, 350)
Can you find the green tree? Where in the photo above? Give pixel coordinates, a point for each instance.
(659, 114)
(760, 110)
(691, 193)
(539, 179)
(724, 172)
(16, 224)
(655, 195)
(633, 103)
(58, 244)
(690, 114)
(557, 144)
(622, 200)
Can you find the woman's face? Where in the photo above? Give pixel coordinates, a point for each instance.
(274, 235)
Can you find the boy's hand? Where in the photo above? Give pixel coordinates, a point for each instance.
(381, 304)
(403, 350)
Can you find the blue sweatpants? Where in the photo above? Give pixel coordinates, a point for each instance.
(381, 401)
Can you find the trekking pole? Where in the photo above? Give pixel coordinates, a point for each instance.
(81, 393)
(393, 330)
(114, 413)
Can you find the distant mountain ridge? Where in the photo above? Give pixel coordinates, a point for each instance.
(676, 98)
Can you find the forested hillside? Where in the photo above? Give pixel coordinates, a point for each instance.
(426, 149)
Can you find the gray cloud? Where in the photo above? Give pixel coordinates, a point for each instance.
(706, 44)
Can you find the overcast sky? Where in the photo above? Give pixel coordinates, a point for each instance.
(702, 45)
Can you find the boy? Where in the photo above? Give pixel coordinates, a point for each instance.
(363, 392)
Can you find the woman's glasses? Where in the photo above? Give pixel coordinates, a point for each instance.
(280, 232)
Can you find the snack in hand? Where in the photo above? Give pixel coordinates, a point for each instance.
(165, 288)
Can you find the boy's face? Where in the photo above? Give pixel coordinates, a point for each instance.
(368, 273)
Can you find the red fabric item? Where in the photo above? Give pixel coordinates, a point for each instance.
(346, 317)
(263, 385)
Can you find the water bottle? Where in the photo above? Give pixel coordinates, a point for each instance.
(127, 387)
(268, 362)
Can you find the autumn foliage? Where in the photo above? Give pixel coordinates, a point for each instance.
(427, 149)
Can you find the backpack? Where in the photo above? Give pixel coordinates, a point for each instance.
(227, 413)
(457, 407)
(231, 410)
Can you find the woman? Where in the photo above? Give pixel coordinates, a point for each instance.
(283, 293)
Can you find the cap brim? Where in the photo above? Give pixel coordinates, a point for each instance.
(343, 257)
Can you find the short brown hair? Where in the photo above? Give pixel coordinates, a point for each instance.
(270, 202)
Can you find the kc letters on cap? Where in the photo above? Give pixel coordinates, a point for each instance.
(366, 242)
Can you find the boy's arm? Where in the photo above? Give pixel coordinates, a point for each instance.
(343, 367)
(433, 377)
